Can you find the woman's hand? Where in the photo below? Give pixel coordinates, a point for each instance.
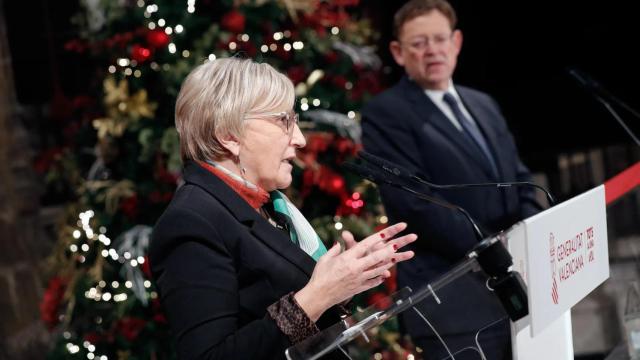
(338, 276)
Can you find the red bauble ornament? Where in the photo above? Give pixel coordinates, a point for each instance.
(129, 206)
(340, 82)
(46, 159)
(307, 182)
(379, 300)
(157, 38)
(352, 205)
(139, 53)
(250, 48)
(297, 74)
(380, 227)
(283, 54)
(160, 318)
(146, 267)
(356, 203)
(337, 183)
(130, 327)
(391, 282)
(51, 301)
(327, 16)
(76, 45)
(233, 21)
(331, 57)
(92, 337)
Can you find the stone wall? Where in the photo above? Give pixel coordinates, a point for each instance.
(22, 336)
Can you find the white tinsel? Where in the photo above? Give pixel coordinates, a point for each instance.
(135, 241)
(343, 124)
(360, 55)
(95, 13)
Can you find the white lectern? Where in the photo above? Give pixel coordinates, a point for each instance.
(562, 254)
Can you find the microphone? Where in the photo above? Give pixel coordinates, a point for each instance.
(585, 80)
(601, 94)
(594, 87)
(409, 175)
(380, 177)
(490, 253)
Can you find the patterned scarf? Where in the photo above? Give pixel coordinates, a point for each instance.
(301, 232)
(254, 195)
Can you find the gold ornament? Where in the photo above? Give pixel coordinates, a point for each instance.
(115, 93)
(122, 108)
(95, 272)
(110, 127)
(110, 192)
(295, 6)
(292, 6)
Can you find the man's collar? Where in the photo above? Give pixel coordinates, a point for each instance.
(439, 93)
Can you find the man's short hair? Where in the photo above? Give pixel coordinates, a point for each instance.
(416, 8)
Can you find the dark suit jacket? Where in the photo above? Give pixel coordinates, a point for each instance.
(218, 265)
(404, 126)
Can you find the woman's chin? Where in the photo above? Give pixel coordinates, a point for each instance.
(284, 181)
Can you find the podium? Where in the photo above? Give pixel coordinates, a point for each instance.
(356, 330)
(561, 254)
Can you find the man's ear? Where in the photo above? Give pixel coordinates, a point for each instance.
(457, 41)
(396, 51)
(231, 144)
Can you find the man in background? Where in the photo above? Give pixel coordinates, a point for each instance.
(450, 135)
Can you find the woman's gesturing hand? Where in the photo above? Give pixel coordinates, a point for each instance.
(338, 276)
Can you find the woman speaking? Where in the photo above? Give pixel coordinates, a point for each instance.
(241, 273)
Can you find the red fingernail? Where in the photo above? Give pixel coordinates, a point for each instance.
(395, 247)
(393, 260)
(382, 236)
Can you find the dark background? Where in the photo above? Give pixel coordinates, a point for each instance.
(518, 51)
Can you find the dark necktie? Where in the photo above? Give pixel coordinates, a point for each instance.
(471, 130)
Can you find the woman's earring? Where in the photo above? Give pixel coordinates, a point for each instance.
(243, 170)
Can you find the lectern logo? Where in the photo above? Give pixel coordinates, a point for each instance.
(552, 255)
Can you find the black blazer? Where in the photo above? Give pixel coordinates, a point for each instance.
(218, 265)
(404, 126)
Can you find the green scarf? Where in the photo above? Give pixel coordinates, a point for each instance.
(301, 233)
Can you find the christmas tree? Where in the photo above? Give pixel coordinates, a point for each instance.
(119, 161)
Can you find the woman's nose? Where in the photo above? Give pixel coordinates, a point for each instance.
(297, 138)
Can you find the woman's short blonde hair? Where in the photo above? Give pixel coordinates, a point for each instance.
(216, 98)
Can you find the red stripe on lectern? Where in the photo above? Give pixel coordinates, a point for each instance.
(622, 183)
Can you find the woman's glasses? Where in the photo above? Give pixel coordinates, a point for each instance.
(287, 118)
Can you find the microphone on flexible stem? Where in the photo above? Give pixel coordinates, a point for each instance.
(490, 253)
(379, 177)
(594, 86)
(603, 96)
(406, 174)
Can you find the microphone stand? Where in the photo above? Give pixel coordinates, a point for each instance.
(401, 172)
(376, 176)
(601, 94)
(550, 198)
(479, 234)
(490, 253)
(617, 117)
